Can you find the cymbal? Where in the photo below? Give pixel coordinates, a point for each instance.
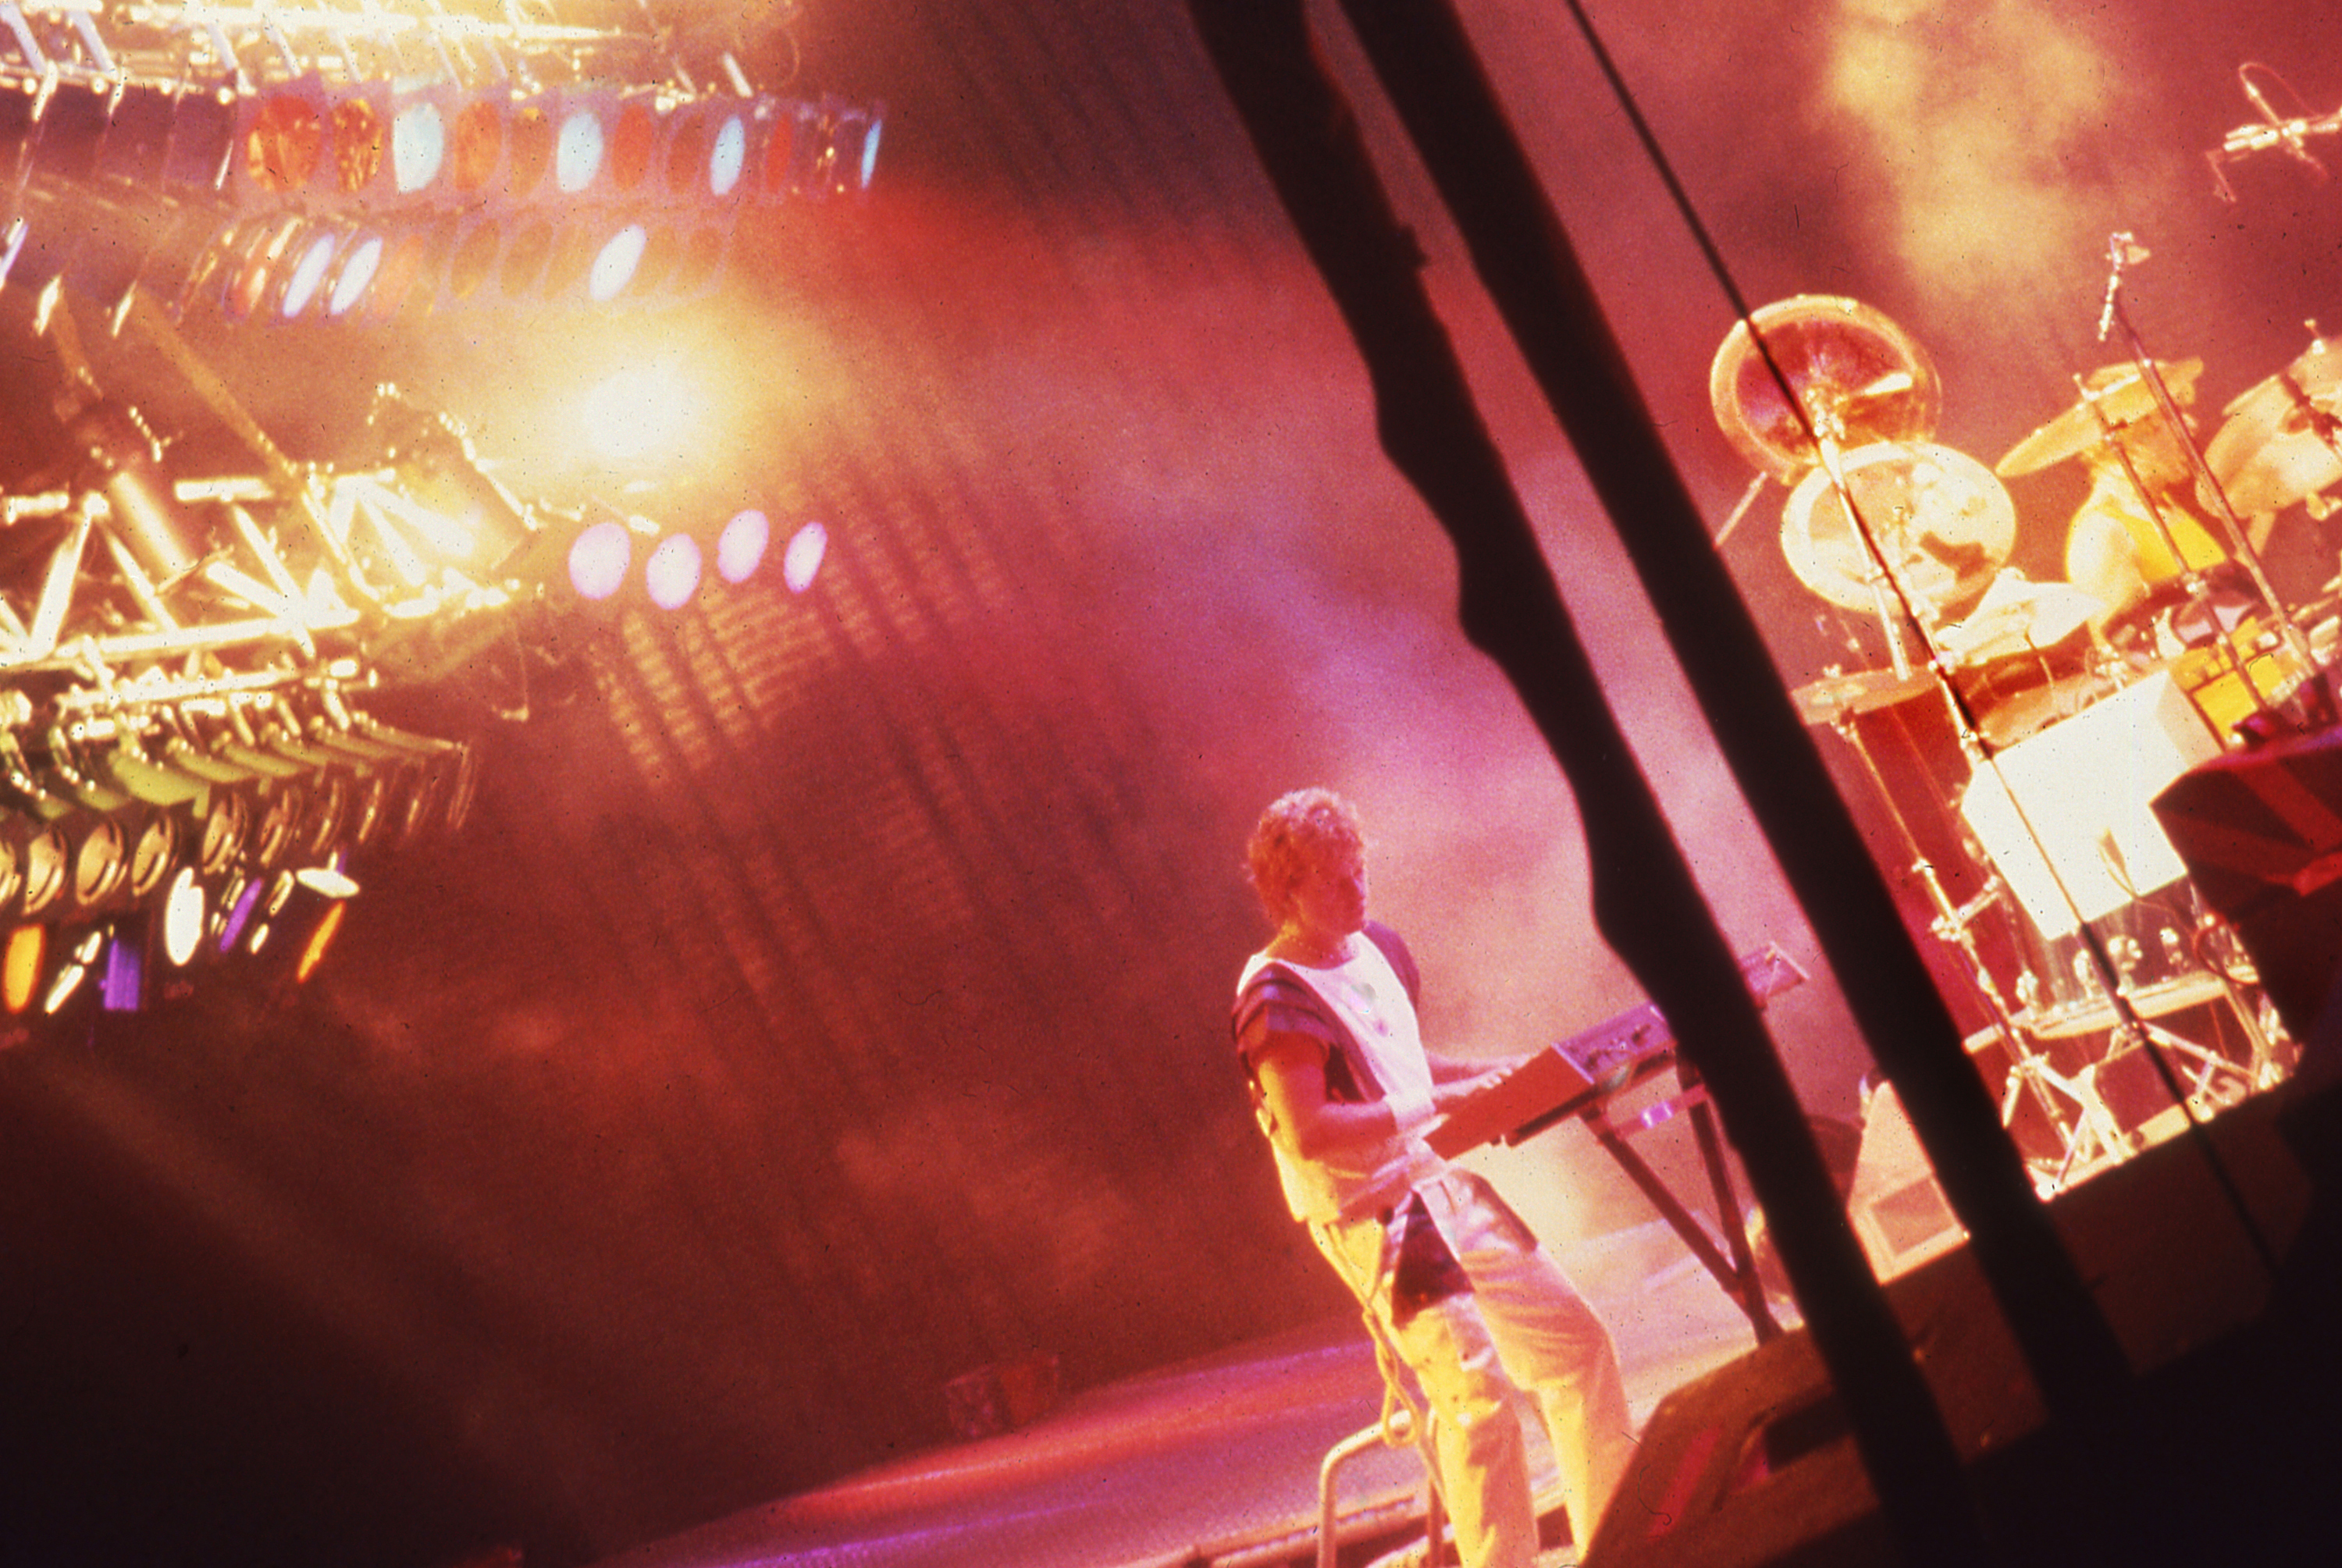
(2275, 449)
(1833, 697)
(2122, 395)
(1943, 525)
(1859, 377)
(2017, 616)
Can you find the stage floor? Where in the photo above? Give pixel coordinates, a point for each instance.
(1213, 1463)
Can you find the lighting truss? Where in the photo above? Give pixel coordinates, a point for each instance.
(196, 652)
(246, 47)
(187, 660)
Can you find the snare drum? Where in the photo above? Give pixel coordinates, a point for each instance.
(2151, 945)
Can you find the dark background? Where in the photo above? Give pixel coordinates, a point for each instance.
(827, 997)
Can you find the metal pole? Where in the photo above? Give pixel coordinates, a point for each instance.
(1646, 902)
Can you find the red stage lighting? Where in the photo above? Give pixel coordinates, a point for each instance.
(786, 140)
(686, 154)
(571, 256)
(406, 262)
(526, 260)
(479, 145)
(356, 130)
(634, 136)
(282, 141)
(528, 151)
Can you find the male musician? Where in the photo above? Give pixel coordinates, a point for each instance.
(2116, 546)
(1453, 1285)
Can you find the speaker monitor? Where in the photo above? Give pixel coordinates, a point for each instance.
(2260, 831)
(1753, 1462)
(1899, 1210)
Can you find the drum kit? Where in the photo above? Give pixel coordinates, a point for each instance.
(2068, 712)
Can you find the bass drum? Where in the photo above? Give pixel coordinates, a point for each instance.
(2165, 958)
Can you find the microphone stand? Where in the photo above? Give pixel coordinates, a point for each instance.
(2118, 314)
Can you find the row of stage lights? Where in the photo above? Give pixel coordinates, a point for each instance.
(288, 268)
(506, 201)
(307, 201)
(325, 143)
(228, 848)
(369, 146)
(602, 558)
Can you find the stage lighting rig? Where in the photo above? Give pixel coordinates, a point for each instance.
(349, 164)
(188, 659)
(199, 631)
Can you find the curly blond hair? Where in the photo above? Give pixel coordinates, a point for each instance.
(1299, 830)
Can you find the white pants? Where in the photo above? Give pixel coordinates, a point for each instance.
(1521, 1326)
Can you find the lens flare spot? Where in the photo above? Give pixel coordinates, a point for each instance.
(598, 560)
(672, 574)
(802, 561)
(740, 548)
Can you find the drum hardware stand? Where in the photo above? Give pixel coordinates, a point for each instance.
(2191, 576)
(1824, 429)
(2160, 1045)
(2122, 250)
(2029, 1071)
(2266, 1070)
(2319, 423)
(1740, 508)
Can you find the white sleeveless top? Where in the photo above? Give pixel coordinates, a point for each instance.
(1364, 996)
